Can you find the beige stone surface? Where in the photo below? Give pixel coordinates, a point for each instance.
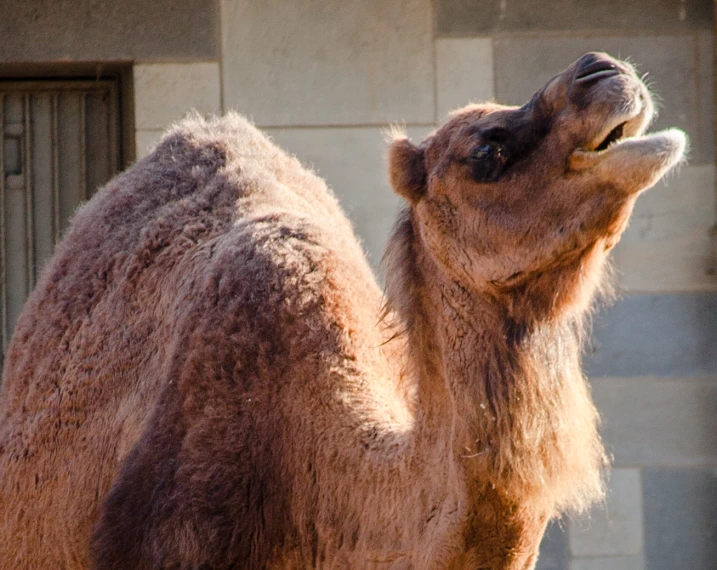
(478, 17)
(614, 528)
(311, 62)
(146, 140)
(658, 421)
(165, 92)
(464, 73)
(608, 563)
(121, 30)
(704, 138)
(667, 246)
(352, 161)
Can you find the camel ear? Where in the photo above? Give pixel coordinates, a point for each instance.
(406, 169)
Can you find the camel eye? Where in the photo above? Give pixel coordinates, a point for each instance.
(488, 160)
(482, 152)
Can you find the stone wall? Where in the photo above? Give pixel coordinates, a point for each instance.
(325, 79)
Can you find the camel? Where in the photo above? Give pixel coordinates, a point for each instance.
(208, 375)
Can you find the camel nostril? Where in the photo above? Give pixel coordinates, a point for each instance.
(594, 67)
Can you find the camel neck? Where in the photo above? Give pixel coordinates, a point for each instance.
(497, 378)
(456, 339)
(460, 345)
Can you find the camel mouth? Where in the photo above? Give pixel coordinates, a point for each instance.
(613, 136)
(652, 154)
(622, 138)
(616, 132)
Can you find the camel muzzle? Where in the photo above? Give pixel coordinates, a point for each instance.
(593, 67)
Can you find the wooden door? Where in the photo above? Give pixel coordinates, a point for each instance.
(59, 141)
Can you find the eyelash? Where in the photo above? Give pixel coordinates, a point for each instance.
(483, 151)
(489, 160)
(486, 150)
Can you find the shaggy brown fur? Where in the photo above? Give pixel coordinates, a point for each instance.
(202, 380)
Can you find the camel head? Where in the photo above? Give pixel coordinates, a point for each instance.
(501, 194)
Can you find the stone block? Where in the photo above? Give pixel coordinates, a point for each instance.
(464, 73)
(609, 563)
(667, 246)
(705, 135)
(682, 204)
(352, 161)
(554, 551)
(311, 62)
(86, 30)
(663, 335)
(524, 64)
(165, 92)
(680, 518)
(480, 17)
(680, 264)
(658, 421)
(145, 141)
(615, 527)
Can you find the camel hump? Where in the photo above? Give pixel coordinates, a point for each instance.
(204, 178)
(210, 186)
(210, 242)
